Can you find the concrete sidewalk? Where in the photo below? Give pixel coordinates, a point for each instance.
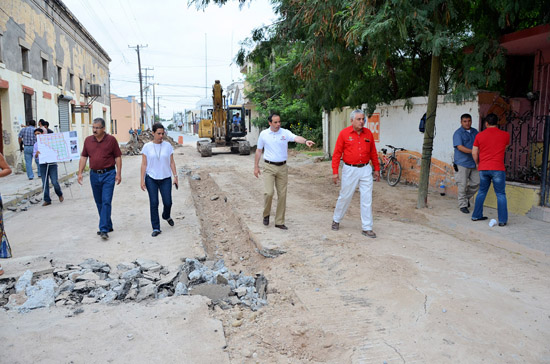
(17, 187)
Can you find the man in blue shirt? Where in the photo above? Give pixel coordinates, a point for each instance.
(236, 122)
(27, 138)
(467, 176)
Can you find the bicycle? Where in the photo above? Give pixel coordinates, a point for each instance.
(390, 168)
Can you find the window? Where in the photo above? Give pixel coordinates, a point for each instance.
(81, 85)
(25, 59)
(71, 80)
(59, 76)
(44, 69)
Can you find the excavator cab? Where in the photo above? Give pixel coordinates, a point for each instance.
(224, 127)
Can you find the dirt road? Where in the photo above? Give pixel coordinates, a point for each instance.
(432, 287)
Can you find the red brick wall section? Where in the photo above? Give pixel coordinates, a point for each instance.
(4, 83)
(46, 95)
(439, 172)
(28, 90)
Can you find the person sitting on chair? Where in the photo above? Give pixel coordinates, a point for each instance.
(236, 122)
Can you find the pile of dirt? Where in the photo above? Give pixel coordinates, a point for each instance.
(134, 146)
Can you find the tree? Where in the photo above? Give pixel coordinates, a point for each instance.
(350, 52)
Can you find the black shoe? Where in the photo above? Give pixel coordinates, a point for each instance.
(501, 224)
(468, 203)
(155, 233)
(110, 230)
(335, 226)
(170, 221)
(104, 235)
(465, 210)
(480, 219)
(266, 220)
(282, 227)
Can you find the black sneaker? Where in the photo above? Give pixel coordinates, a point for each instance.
(170, 221)
(155, 233)
(465, 210)
(110, 230)
(480, 219)
(104, 235)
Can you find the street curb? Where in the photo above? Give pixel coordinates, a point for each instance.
(15, 201)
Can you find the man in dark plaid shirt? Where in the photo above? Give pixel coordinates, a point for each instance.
(27, 137)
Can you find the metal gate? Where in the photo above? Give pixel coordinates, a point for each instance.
(545, 173)
(64, 124)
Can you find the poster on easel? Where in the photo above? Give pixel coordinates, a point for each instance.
(58, 147)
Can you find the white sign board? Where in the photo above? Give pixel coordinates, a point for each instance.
(58, 147)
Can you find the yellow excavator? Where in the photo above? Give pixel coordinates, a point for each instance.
(225, 128)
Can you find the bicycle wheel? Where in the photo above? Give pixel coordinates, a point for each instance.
(394, 172)
(382, 169)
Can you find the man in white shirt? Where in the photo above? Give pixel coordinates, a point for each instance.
(275, 142)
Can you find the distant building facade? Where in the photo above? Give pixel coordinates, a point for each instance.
(126, 115)
(51, 68)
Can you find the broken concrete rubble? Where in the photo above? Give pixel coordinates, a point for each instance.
(93, 281)
(134, 146)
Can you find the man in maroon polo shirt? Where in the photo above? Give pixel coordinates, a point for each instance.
(104, 154)
(355, 145)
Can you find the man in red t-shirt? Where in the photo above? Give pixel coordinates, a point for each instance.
(355, 145)
(104, 154)
(488, 153)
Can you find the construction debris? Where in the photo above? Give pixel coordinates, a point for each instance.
(134, 146)
(93, 281)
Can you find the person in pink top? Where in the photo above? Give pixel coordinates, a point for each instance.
(488, 153)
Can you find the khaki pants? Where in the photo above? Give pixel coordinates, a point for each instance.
(467, 180)
(275, 176)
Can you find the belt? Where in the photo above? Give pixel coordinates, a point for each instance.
(101, 171)
(356, 165)
(275, 163)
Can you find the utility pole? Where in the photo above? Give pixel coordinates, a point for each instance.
(154, 118)
(140, 82)
(146, 88)
(205, 66)
(158, 105)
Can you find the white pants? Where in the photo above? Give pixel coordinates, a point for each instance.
(351, 176)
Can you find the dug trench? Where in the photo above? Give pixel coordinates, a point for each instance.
(282, 330)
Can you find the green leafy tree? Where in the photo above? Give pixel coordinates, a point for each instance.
(350, 52)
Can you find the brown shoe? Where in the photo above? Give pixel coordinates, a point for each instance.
(266, 220)
(369, 233)
(335, 226)
(282, 227)
(46, 203)
(61, 198)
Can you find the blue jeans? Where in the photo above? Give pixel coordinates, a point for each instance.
(50, 170)
(28, 149)
(103, 185)
(499, 185)
(153, 188)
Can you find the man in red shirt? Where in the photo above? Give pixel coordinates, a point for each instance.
(355, 145)
(104, 154)
(488, 153)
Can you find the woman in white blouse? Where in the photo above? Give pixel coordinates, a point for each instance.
(157, 168)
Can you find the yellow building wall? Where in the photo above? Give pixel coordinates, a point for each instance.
(520, 198)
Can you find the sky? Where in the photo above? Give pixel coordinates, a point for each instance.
(174, 37)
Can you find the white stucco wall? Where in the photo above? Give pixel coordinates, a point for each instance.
(399, 125)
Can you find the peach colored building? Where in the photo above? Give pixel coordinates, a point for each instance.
(125, 114)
